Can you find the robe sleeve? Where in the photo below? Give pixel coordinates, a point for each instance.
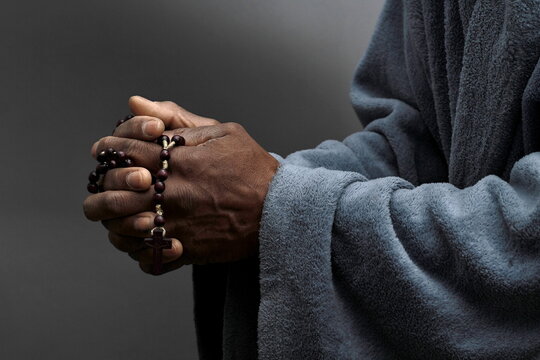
(357, 260)
(432, 269)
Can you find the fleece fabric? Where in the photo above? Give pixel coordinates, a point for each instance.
(418, 237)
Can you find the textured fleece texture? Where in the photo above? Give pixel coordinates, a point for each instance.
(418, 237)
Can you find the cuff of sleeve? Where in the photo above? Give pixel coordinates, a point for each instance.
(277, 157)
(294, 253)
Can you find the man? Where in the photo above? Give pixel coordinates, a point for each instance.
(418, 237)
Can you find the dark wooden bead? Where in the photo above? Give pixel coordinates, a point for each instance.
(120, 122)
(110, 153)
(113, 164)
(93, 177)
(92, 188)
(164, 155)
(162, 138)
(120, 155)
(128, 162)
(158, 199)
(102, 168)
(128, 117)
(178, 140)
(162, 174)
(102, 156)
(159, 220)
(159, 186)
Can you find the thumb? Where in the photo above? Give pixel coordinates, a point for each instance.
(172, 115)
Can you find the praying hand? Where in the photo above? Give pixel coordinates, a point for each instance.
(215, 190)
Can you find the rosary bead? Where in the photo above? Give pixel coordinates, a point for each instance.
(128, 162)
(159, 220)
(102, 156)
(159, 187)
(92, 188)
(164, 155)
(120, 155)
(158, 199)
(162, 174)
(102, 168)
(113, 164)
(178, 140)
(93, 177)
(110, 153)
(162, 138)
(128, 117)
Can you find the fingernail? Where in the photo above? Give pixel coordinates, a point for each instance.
(150, 128)
(133, 179)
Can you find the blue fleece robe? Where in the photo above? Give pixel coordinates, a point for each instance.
(418, 237)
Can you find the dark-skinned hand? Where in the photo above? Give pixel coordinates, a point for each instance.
(214, 194)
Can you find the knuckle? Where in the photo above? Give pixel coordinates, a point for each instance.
(180, 117)
(233, 127)
(174, 106)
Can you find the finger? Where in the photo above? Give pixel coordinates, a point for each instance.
(199, 135)
(133, 178)
(146, 256)
(172, 115)
(138, 225)
(168, 267)
(115, 204)
(140, 128)
(142, 153)
(127, 243)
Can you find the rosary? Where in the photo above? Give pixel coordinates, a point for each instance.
(110, 159)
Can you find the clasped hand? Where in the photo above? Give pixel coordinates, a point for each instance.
(214, 194)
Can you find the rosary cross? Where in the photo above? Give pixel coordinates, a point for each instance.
(158, 242)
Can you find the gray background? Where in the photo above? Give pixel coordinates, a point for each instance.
(281, 68)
